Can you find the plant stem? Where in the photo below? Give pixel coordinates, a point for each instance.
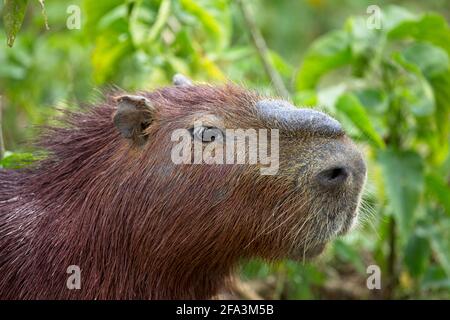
(394, 141)
(392, 261)
(263, 52)
(2, 144)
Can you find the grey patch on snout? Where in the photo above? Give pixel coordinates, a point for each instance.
(298, 119)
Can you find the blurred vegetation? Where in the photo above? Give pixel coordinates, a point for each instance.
(390, 87)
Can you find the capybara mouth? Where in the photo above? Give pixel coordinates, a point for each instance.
(323, 231)
(316, 247)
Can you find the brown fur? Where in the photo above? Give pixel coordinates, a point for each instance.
(141, 227)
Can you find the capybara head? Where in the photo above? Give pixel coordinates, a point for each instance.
(310, 196)
(160, 194)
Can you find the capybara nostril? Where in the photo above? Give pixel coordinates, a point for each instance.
(333, 177)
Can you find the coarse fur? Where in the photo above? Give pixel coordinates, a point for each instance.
(141, 227)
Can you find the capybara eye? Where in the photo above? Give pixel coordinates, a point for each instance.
(207, 134)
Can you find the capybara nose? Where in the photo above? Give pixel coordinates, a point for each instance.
(333, 177)
(291, 118)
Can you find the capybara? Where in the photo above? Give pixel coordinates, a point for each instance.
(109, 205)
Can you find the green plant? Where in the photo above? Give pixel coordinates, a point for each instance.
(393, 92)
(389, 87)
(16, 160)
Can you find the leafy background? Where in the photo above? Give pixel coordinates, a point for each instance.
(390, 88)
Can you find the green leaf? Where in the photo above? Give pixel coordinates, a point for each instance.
(161, 19)
(214, 17)
(374, 100)
(435, 278)
(417, 255)
(432, 28)
(441, 85)
(114, 21)
(393, 16)
(284, 68)
(438, 188)
(441, 247)
(403, 180)
(419, 97)
(417, 91)
(96, 11)
(140, 19)
(16, 160)
(107, 54)
(362, 37)
(327, 53)
(13, 14)
(431, 60)
(350, 106)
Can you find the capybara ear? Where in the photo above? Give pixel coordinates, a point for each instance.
(134, 115)
(180, 80)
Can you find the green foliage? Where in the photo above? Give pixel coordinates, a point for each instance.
(16, 160)
(393, 97)
(14, 12)
(403, 180)
(350, 105)
(390, 88)
(327, 53)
